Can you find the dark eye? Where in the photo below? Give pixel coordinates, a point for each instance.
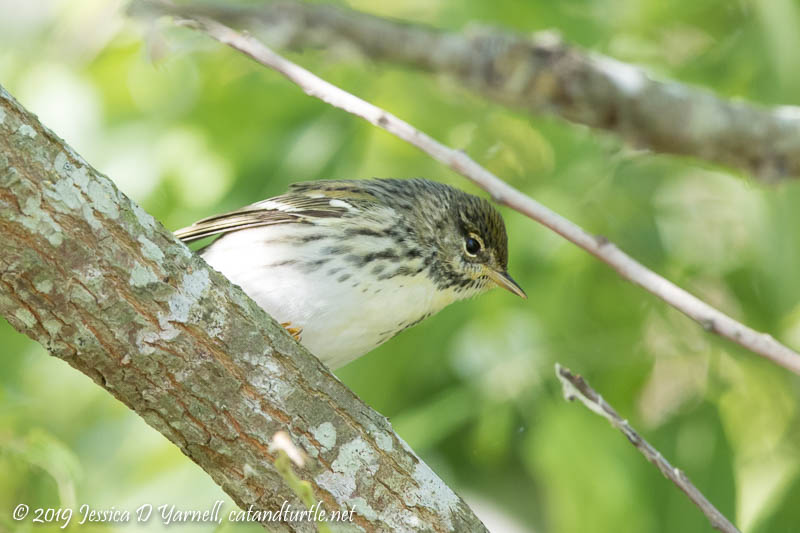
(472, 246)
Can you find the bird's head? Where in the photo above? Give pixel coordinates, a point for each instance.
(471, 246)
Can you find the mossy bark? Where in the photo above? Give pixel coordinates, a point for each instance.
(543, 74)
(102, 285)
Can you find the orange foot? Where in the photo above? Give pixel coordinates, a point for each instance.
(294, 332)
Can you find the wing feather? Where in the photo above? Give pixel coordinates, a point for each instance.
(303, 203)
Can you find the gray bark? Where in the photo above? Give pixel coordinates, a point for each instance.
(102, 285)
(541, 73)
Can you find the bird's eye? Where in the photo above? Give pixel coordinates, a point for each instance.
(472, 246)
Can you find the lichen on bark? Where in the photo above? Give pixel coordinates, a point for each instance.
(102, 285)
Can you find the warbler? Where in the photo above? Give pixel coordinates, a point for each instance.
(345, 265)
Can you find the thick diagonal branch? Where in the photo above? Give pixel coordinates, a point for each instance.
(102, 285)
(542, 73)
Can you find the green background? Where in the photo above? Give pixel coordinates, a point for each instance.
(188, 128)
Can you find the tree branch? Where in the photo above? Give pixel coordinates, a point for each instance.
(707, 316)
(575, 387)
(102, 285)
(542, 73)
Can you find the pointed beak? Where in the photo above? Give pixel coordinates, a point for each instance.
(507, 282)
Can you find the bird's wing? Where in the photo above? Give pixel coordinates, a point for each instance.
(303, 203)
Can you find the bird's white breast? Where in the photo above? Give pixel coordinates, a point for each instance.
(344, 311)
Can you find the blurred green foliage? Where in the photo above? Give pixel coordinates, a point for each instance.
(201, 129)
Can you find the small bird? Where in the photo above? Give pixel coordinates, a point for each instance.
(345, 265)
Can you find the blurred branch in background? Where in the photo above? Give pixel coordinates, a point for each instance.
(575, 387)
(98, 282)
(542, 73)
(707, 316)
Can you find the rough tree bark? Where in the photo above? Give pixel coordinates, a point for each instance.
(541, 73)
(102, 285)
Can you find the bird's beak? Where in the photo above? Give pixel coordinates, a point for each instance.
(507, 282)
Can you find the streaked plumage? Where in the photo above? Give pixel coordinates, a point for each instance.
(350, 263)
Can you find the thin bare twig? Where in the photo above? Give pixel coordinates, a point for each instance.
(707, 316)
(575, 387)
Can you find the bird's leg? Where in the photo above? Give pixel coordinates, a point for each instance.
(294, 332)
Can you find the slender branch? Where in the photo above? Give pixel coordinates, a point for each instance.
(99, 283)
(707, 316)
(542, 73)
(575, 387)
